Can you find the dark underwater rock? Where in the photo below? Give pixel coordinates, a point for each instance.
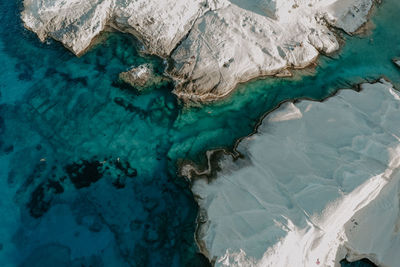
(39, 202)
(40, 199)
(126, 168)
(85, 173)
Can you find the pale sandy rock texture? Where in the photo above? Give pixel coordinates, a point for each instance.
(213, 44)
(160, 25)
(318, 181)
(138, 76)
(348, 18)
(142, 77)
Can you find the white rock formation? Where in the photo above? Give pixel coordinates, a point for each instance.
(137, 76)
(311, 171)
(159, 25)
(373, 232)
(227, 41)
(142, 77)
(74, 23)
(396, 61)
(348, 17)
(232, 45)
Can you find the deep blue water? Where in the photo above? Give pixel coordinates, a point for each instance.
(360, 263)
(88, 164)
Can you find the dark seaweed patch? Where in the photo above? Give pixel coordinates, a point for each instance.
(40, 200)
(9, 149)
(2, 125)
(56, 186)
(126, 168)
(129, 107)
(85, 173)
(101, 68)
(118, 183)
(124, 86)
(50, 72)
(25, 71)
(39, 204)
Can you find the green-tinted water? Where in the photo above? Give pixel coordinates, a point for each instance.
(362, 58)
(59, 111)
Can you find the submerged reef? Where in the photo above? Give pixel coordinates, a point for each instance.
(211, 45)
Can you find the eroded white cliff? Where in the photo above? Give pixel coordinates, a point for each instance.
(232, 45)
(318, 182)
(159, 25)
(213, 44)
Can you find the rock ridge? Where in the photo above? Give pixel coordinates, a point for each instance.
(212, 45)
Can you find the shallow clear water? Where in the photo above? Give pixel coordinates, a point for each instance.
(65, 118)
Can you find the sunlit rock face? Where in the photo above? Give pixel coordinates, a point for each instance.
(348, 17)
(312, 185)
(262, 7)
(143, 78)
(213, 44)
(74, 23)
(248, 39)
(159, 25)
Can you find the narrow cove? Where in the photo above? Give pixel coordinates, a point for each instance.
(61, 111)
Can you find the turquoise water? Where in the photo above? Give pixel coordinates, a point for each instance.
(66, 119)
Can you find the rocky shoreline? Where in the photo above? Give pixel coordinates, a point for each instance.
(221, 163)
(211, 45)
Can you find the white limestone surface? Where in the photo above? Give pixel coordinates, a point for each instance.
(160, 25)
(348, 18)
(213, 44)
(233, 44)
(74, 23)
(373, 231)
(311, 169)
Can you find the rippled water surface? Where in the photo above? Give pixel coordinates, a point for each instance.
(88, 164)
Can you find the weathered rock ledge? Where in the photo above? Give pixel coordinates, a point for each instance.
(212, 44)
(302, 195)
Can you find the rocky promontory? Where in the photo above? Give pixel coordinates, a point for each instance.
(212, 44)
(306, 195)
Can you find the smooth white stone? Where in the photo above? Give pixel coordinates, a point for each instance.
(311, 168)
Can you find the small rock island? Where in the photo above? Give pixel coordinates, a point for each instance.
(141, 77)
